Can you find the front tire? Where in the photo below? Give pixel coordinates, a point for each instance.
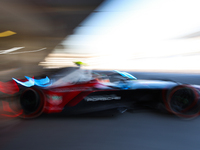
(31, 103)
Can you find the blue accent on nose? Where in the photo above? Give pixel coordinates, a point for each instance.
(40, 82)
(31, 82)
(26, 84)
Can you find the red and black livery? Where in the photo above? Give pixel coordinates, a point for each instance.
(104, 92)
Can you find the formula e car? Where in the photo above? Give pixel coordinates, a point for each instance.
(78, 91)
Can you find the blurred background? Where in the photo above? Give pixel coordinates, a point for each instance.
(136, 35)
(155, 36)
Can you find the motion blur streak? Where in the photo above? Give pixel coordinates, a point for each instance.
(132, 40)
(8, 112)
(10, 50)
(9, 87)
(7, 33)
(33, 51)
(6, 107)
(12, 116)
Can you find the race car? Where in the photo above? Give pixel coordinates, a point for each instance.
(78, 91)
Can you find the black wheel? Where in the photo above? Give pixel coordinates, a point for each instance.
(32, 103)
(183, 102)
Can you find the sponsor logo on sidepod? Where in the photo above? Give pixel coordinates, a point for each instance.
(102, 98)
(54, 99)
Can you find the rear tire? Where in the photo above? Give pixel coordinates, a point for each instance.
(183, 101)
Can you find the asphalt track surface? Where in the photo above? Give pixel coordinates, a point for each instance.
(139, 130)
